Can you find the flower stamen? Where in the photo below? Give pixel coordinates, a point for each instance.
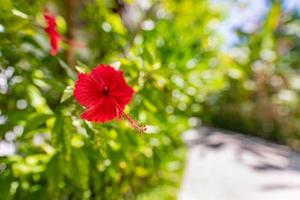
(105, 91)
(133, 123)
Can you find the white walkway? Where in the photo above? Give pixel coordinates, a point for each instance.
(229, 166)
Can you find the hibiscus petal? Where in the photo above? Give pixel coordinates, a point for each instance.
(123, 97)
(115, 82)
(105, 74)
(121, 92)
(103, 112)
(87, 91)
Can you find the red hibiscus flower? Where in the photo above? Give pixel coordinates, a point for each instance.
(51, 30)
(105, 93)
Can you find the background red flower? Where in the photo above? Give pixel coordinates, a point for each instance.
(51, 30)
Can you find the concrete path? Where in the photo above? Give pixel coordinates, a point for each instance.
(227, 166)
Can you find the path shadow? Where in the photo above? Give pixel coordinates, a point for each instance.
(272, 187)
(255, 153)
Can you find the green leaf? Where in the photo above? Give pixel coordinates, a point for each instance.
(61, 135)
(68, 92)
(38, 101)
(5, 182)
(5, 6)
(81, 67)
(147, 55)
(273, 18)
(79, 168)
(35, 120)
(54, 174)
(19, 13)
(67, 68)
(57, 131)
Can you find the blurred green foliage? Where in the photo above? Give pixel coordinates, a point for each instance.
(261, 96)
(170, 53)
(58, 155)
